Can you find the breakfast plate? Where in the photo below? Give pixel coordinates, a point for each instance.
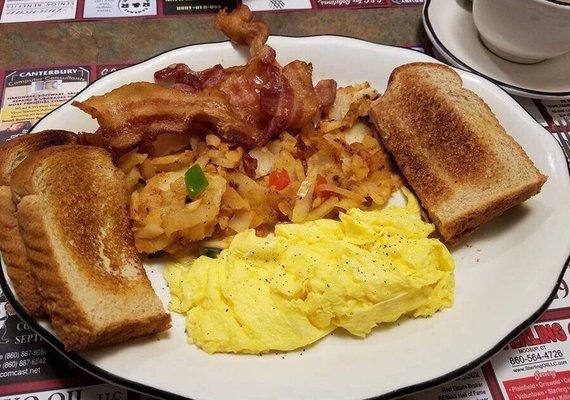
(450, 27)
(506, 273)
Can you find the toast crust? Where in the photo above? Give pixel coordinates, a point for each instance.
(457, 230)
(14, 254)
(451, 148)
(69, 321)
(73, 217)
(12, 153)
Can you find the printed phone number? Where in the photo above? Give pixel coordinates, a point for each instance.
(24, 363)
(25, 353)
(536, 357)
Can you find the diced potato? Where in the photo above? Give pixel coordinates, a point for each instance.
(150, 231)
(147, 169)
(128, 161)
(285, 208)
(213, 140)
(153, 245)
(231, 199)
(256, 221)
(132, 179)
(348, 95)
(169, 144)
(174, 162)
(234, 156)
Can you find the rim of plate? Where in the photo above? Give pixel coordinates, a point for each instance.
(128, 384)
(560, 3)
(513, 89)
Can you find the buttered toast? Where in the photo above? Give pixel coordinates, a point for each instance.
(13, 250)
(460, 162)
(72, 212)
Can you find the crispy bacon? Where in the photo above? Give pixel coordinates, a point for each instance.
(247, 104)
(144, 110)
(326, 92)
(239, 26)
(182, 77)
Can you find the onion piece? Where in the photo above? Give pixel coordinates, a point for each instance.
(265, 161)
(241, 220)
(304, 188)
(322, 210)
(356, 134)
(343, 192)
(304, 200)
(219, 243)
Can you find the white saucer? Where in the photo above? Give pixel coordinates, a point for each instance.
(449, 25)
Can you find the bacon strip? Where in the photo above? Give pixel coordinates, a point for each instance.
(239, 26)
(142, 110)
(248, 105)
(180, 76)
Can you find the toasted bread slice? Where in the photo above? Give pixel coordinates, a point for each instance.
(449, 145)
(72, 212)
(12, 153)
(13, 250)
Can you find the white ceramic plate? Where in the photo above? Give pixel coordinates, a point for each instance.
(450, 27)
(505, 276)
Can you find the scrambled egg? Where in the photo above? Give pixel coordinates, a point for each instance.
(289, 290)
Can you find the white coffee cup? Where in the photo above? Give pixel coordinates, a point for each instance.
(524, 31)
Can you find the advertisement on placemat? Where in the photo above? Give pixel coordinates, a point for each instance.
(118, 8)
(535, 366)
(366, 3)
(106, 69)
(557, 109)
(180, 7)
(29, 94)
(27, 363)
(470, 386)
(95, 392)
(351, 3)
(37, 10)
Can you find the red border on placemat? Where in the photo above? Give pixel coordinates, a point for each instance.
(79, 10)
(387, 4)
(492, 382)
(555, 314)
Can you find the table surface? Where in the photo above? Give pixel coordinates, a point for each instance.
(95, 42)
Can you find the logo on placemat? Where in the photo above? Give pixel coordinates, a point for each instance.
(6, 311)
(134, 7)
